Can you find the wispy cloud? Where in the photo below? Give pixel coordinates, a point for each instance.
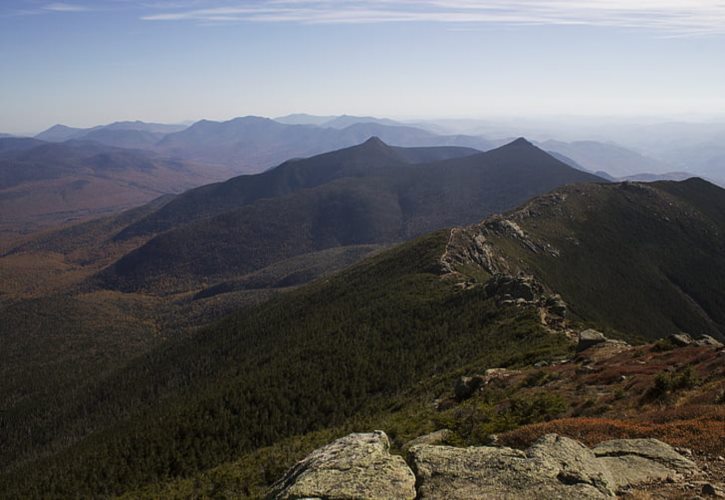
(65, 7)
(676, 17)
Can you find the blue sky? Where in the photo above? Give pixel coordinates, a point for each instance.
(89, 62)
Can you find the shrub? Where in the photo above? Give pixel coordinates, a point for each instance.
(667, 383)
(537, 408)
(720, 398)
(537, 378)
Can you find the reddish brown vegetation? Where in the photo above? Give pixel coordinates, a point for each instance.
(693, 417)
(703, 434)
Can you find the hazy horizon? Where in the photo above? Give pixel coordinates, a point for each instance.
(458, 122)
(85, 63)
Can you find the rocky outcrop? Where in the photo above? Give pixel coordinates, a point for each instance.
(589, 339)
(473, 248)
(652, 450)
(475, 245)
(357, 466)
(489, 472)
(681, 339)
(706, 340)
(640, 461)
(554, 467)
(685, 339)
(438, 437)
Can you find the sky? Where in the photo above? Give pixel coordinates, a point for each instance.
(84, 63)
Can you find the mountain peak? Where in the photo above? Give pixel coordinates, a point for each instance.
(520, 146)
(375, 141)
(521, 141)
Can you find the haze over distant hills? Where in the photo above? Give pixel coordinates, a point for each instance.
(252, 144)
(44, 184)
(610, 158)
(341, 121)
(60, 133)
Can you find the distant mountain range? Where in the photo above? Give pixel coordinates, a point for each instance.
(252, 144)
(44, 184)
(61, 133)
(615, 160)
(341, 121)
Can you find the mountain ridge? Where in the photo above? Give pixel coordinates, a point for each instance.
(365, 194)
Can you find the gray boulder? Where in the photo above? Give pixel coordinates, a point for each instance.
(638, 461)
(437, 437)
(706, 340)
(488, 472)
(653, 450)
(357, 466)
(574, 462)
(590, 338)
(681, 339)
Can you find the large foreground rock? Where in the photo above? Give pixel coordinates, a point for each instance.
(357, 466)
(568, 470)
(554, 467)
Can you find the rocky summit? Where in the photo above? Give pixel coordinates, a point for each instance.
(360, 466)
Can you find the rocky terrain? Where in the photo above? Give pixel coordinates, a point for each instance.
(602, 247)
(610, 457)
(361, 466)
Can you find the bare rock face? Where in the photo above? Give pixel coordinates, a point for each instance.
(514, 288)
(681, 339)
(590, 338)
(437, 437)
(554, 467)
(357, 466)
(651, 449)
(574, 462)
(707, 340)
